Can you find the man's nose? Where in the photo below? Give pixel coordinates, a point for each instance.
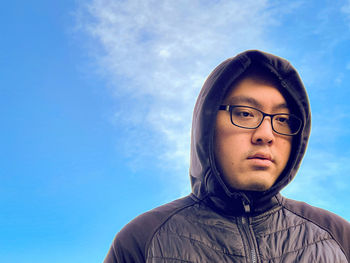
(264, 133)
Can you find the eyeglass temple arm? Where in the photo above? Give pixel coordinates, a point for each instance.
(224, 107)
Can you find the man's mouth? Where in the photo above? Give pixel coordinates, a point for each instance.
(262, 156)
(261, 159)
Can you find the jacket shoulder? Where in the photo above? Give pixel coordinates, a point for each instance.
(130, 244)
(335, 225)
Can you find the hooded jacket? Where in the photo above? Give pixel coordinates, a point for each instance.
(217, 224)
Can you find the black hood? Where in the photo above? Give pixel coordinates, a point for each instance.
(206, 181)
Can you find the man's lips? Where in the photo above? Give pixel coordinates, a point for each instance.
(261, 159)
(261, 156)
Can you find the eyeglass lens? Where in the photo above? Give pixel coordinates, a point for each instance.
(251, 118)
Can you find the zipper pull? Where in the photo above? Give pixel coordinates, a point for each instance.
(246, 206)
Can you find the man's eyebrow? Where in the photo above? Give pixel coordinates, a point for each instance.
(282, 106)
(244, 100)
(254, 103)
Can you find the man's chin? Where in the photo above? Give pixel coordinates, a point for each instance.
(253, 181)
(258, 185)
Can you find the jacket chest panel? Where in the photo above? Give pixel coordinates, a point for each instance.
(285, 237)
(203, 236)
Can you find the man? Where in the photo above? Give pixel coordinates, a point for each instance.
(251, 124)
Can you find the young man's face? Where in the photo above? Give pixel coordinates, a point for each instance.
(251, 159)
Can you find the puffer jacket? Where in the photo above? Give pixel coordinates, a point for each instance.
(217, 224)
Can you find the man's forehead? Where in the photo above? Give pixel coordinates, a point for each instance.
(244, 99)
(256, 93)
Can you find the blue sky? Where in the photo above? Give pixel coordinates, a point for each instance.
(96, 105)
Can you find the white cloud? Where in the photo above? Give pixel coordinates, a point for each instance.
(157, 54)
(165, 50)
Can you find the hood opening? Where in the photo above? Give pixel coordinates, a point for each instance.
(205, 178)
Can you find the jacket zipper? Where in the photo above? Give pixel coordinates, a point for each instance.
(248, 233)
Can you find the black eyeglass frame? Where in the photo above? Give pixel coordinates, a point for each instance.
(230, 107)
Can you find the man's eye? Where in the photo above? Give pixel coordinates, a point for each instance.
(283, 120)
(243, 114)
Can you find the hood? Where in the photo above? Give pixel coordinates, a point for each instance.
(207, 184)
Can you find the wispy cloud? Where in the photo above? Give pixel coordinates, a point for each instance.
(157, 54)
(163, 51)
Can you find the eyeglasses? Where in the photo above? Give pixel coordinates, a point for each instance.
(250, 118)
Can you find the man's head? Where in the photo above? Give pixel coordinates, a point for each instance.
(252, 159)
(230, 153)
